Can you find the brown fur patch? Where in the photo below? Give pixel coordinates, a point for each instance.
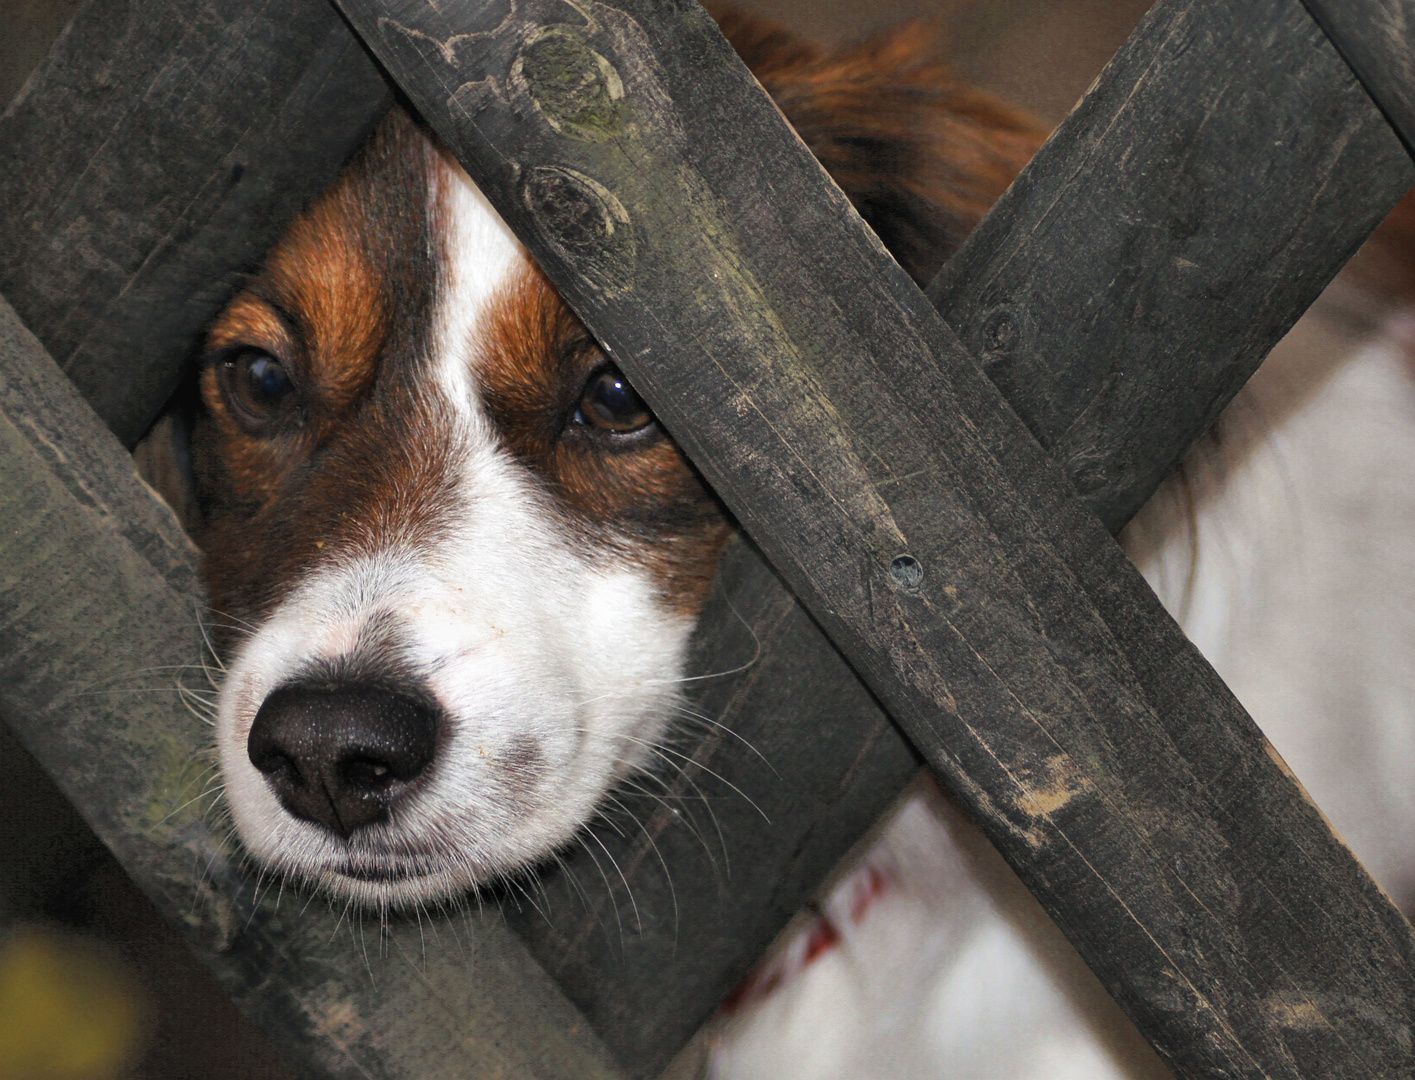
(921, 155)
(1385, 266)
(522, 766)
(635, 493)
(345, 305)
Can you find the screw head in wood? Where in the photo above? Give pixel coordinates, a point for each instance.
(906, 572)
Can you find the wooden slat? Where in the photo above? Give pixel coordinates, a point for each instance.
(1377, 38)
(1278, 225)
(151, 160)
(1199, 198)
(722, 923)
(96, 605)
(846, 427)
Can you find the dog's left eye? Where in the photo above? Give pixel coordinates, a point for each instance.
(258, 389)
(610, 403)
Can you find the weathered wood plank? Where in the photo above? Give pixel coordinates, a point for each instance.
(152, 159)
(1377, 38)
(833, 408)
(1197, 200)
(734, 917)
(95, 608)
(1324, 193)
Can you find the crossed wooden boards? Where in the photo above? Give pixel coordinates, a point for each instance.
(1225, 165)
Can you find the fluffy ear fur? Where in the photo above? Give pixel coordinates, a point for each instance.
(920, 155)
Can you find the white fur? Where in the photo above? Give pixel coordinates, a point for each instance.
(1297, 581)
(521, 630)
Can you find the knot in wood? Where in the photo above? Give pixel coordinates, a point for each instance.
(577, 90)
(1089, 472)
(906, 572)
(999, 333)
(583, 221)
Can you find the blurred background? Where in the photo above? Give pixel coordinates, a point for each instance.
(93, 984)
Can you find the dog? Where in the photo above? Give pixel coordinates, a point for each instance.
(457, 563)
(459, 558)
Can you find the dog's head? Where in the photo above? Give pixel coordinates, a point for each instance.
(458, 558)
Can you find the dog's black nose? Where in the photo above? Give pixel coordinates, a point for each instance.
(342, 756)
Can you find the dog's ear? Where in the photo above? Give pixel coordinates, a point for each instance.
(921, 155)
(164, 457)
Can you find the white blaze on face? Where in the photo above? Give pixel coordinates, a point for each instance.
(554, 663)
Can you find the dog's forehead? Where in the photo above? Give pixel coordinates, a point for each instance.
(387, 274)
(481, 262)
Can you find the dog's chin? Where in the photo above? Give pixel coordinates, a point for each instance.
(409, 864)
(389, 886)
(384, 880)
(390, 877)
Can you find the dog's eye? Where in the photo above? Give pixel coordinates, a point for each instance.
(258, 388)
(610, 403)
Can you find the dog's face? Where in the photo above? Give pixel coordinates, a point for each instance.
(467, 556)
(457, 558)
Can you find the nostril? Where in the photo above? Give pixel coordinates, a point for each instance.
(266, 755)
(342, 756)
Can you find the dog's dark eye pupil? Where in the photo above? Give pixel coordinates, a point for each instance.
(258, 386)
(269, 378)
(609, 402)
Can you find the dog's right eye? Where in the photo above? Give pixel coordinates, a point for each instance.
(258, 390)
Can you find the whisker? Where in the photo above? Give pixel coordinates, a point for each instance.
(693, 714)
(628, 889)
(608, 889)
(683, 815)
(214, 789)
(653, 845)
(573, 879)
(363, 947)
(660, 748)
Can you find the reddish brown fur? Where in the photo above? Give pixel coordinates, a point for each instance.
(635, 492)
(921, 155)
(1385, 267)
(345, 303)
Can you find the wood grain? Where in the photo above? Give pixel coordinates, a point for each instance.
(832, 762)
(1120, 403)
(1375, 38)
(845, 426)
(1207, 188)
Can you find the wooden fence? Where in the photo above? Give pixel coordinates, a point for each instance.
(1223, 168)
